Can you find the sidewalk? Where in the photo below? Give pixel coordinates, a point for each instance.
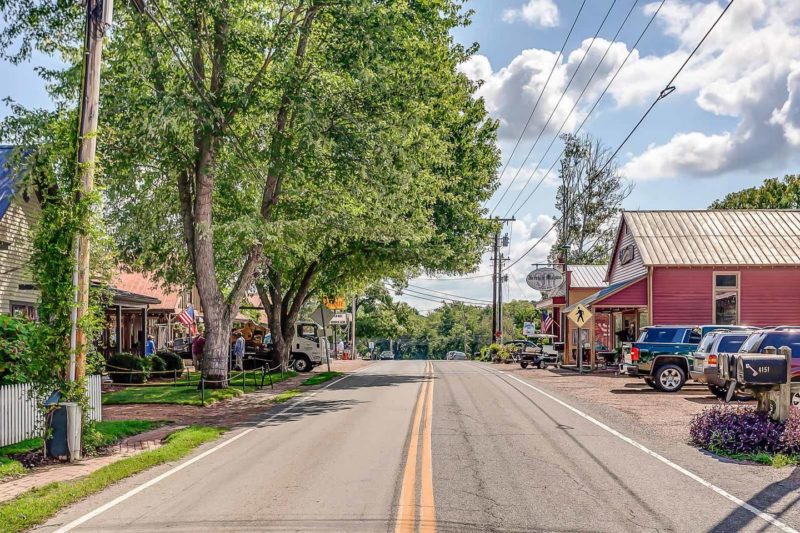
(39, 477)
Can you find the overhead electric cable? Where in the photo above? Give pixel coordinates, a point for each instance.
(668, 89)
(461, 300)
(558, 103)
(448, 293)
(536, 105)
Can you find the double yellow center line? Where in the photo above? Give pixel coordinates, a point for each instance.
(419, 451)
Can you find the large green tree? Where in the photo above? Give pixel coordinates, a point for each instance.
(774, 193)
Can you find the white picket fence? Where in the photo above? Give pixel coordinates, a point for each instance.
(19, 417)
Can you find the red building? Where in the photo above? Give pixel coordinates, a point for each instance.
(702, 267)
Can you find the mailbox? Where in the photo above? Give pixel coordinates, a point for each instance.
(758, 369)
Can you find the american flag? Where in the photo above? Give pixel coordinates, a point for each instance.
(547, 322)
(187, 319)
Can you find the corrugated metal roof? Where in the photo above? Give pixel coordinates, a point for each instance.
(717, 237)
(588, 276)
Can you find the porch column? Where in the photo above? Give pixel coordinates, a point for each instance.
(119, 329)
(144, 329)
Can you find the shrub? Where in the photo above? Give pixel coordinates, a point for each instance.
(16, 335)
(496, 353)
(157, 364)
(128, 368)
(742, 430)
(172, 360)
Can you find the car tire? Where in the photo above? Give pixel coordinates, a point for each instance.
(302, 364)
(669, 378)
(523, 364)
(650, 383)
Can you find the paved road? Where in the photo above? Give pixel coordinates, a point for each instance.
(445, 446)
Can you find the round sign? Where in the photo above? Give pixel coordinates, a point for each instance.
(545, 279)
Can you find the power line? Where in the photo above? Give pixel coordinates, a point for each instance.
(456, 279)
(589, 114)
(580, 97)
(668, 89)
(442, 301)
(558, 103)
(535, 106)
(448, 294)
(457, 300)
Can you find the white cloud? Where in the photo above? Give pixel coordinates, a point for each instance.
(747, 70)
(535, 12)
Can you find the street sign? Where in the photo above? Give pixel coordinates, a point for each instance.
(334, 304)
(580, 315)
(545, 279)
(316, 316)
(341, 319)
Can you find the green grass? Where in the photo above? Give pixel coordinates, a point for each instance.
(182, 394)
(286, 395)
(321, 378)
(778, 460)
(37, 505)
(102, 434)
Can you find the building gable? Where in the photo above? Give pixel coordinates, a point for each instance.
(626, 259)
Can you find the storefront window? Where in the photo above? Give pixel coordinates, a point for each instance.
(602, 332)
(726, 298)
(644, 319)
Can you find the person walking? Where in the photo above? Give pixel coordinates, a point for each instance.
(238, 351)
(149, 347)
(198, 344)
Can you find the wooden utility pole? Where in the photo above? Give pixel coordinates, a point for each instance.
(98, 17)
(494, 285)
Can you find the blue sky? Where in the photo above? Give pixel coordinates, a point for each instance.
(733, 120)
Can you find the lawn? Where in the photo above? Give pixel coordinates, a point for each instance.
(322, 377)
(102, 434)
(182, 394)
(286, 396)
(37, 505)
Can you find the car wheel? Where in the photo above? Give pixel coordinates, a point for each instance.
(650, 382)
(670, 378)
(523, 364)
(302, 364)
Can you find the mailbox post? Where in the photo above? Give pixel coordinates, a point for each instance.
(785, 393)
(768, 376)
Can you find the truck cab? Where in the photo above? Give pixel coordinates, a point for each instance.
(662, 355)
(308, 346)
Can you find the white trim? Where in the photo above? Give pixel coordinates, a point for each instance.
(715, 290)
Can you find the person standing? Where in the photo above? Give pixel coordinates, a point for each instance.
(149, 347)
(198, 344)
(339, 348)
(238, 351)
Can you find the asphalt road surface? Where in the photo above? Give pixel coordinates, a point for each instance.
(444, 446)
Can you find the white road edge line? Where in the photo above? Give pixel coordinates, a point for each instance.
(741, 503)
(133, 492)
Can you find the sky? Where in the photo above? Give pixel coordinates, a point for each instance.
(733, 120)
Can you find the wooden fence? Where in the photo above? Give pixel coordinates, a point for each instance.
(19, 417)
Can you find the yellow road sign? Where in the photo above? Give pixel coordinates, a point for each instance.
(334, 304)
(580, 315)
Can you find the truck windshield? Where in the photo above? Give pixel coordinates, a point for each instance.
(663, 335)
(706, 344)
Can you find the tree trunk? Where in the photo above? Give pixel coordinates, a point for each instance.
(216, 352)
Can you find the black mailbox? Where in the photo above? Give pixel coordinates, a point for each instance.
(758, 369)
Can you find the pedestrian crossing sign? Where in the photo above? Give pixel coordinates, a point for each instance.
(580, 315)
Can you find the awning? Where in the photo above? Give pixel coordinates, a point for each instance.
(545, 304)
(628, 293)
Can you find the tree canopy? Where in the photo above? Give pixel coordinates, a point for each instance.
(774, 193)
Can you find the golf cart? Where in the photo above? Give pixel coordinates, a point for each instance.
(542, 354)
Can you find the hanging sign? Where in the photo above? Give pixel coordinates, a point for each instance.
(334, 304)
(528, 329)
(546, 279)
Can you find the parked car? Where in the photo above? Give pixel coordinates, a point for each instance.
(662, 355)
(541, 355)
(704, 360)
(181, 346)
(456, 356)
(759, 341)
(385, 355)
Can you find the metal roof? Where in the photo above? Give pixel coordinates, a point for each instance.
(602, 293)
(588, 276)
(717, 237)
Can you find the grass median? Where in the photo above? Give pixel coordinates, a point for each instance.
(322, 377)
(182, 394)
(37, 505)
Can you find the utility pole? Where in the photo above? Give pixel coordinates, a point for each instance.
(98, 17)
(497, 275)
(502, 277)
(353, 341)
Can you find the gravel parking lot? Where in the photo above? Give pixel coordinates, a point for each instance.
(663, 414)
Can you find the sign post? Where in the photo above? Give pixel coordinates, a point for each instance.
(580, 315)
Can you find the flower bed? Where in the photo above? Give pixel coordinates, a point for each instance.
(744, 433)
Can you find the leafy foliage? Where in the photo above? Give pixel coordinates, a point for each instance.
(774, 193)
(591, 193)
(157, 365)
(172, 361)
(742, 430)
(128, 368)
(16, 363)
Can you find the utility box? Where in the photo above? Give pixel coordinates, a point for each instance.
(758, 369)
